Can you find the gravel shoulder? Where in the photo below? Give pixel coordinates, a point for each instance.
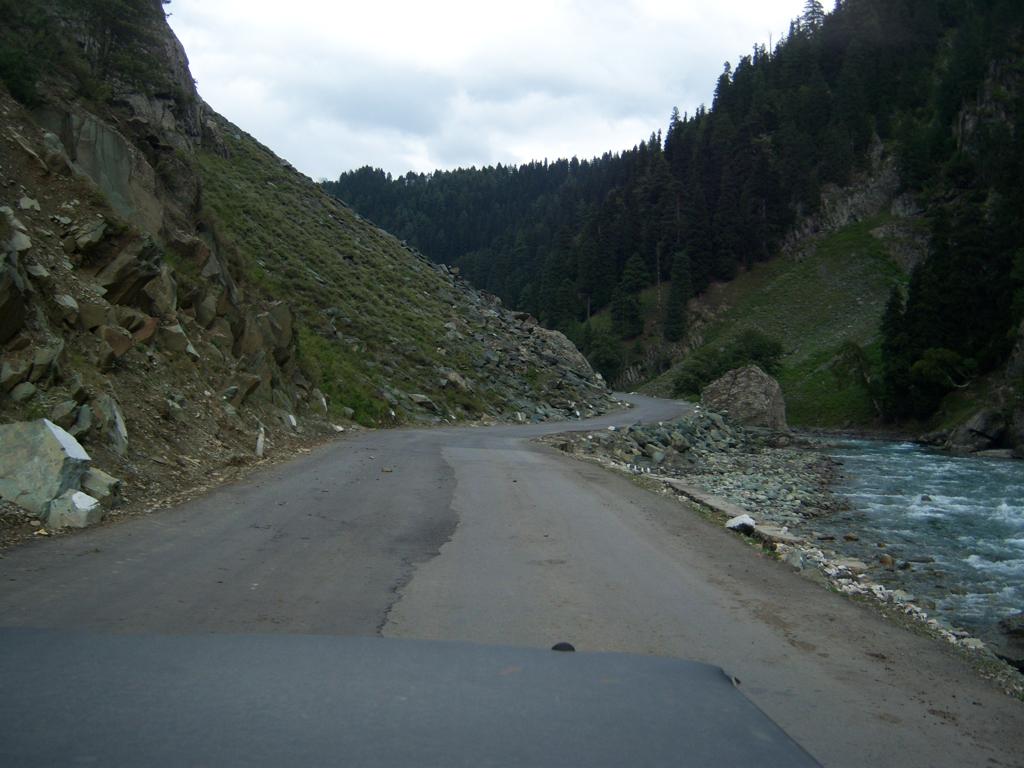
(784, 483)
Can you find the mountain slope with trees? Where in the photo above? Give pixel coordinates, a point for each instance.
(933, 85)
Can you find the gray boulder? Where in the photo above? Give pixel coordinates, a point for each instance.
(13, 301)
(46, 363)
(67, 307)
(64, 413)
(38, 462)
(129, 272)
(173, 339)
(89, 235)
(24, 391)
(93, 314)
(1015, 435)
(162, 291)
(749, 396)
(83, 422)
(74, 509)
(13, 372)
(984, 430)
(110, 421)
(106, 489)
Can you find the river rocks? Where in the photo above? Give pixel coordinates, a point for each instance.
(749, 396)
(38, 462)
(1015, 432)
(773, 534)
(74, 509)
(1007, 640)
(852, 565)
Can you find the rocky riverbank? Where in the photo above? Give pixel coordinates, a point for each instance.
(783, 483)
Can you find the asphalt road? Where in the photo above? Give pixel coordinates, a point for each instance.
(478, 534)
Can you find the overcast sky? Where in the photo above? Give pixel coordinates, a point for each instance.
(407, 85)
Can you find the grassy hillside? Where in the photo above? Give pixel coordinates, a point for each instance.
(813, 302)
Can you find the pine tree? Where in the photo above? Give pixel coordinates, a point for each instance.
(627, 321)
(814, 14)
(895, 362)
(675, 324)
(635, 276)
(697, 225)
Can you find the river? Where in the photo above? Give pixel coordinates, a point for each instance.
(954, 526)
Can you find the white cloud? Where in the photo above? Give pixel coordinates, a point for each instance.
(412, 85)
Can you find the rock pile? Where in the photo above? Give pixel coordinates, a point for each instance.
(756, 470)
(45, 471)
(529, 373)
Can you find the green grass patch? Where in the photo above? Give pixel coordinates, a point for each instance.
(340, 377)
(832, 293)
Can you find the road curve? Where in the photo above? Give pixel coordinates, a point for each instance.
(478, 534)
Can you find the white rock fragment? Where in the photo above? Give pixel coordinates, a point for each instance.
(74, 509)
(741, 524)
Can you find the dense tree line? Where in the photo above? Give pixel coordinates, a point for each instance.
(963, 152)
(718, 190)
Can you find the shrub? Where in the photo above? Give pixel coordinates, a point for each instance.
(19, 74)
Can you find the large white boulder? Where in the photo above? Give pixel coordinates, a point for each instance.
(38, 462)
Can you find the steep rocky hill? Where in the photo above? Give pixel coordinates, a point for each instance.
(173, 293)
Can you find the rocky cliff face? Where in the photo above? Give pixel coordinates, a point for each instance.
(171, 291)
